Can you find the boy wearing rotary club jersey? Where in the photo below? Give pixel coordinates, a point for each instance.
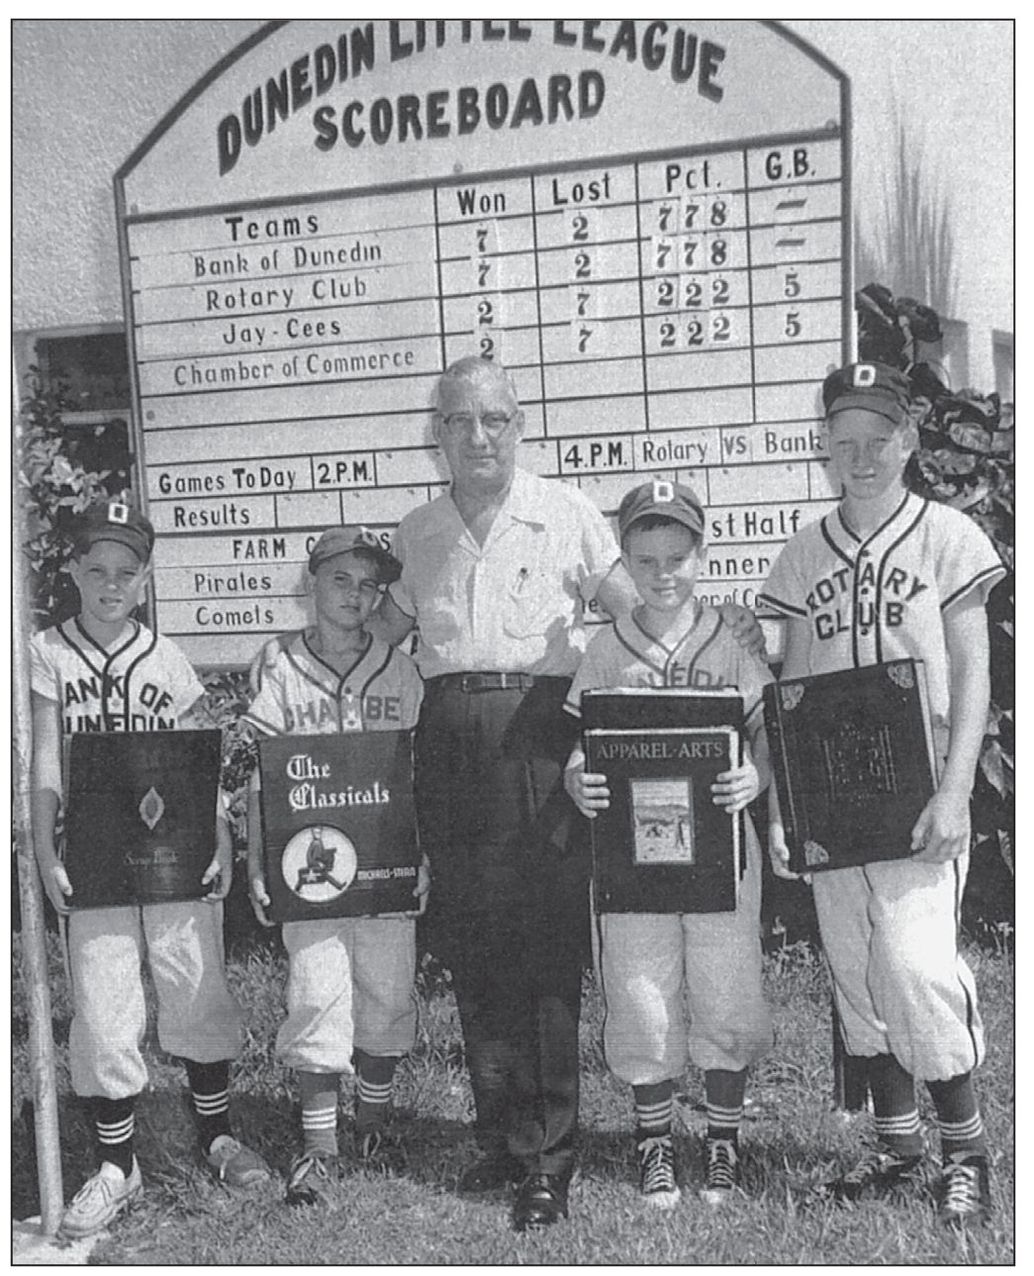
(350, 1002)
(102, 671)
(647, 962)
(888, 574)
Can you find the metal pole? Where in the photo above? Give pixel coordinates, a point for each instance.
(850, 1076)
(34, 950)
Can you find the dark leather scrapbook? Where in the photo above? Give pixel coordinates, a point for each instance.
(853, 762)
(139, 815)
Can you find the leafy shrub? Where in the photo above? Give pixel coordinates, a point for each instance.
(62, 469)
(966, 458)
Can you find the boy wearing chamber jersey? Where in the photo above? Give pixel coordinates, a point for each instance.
(350, 1000)
(888, 575)
(648, 962)
(102, 671)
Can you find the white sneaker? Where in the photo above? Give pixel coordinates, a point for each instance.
(100, 1200)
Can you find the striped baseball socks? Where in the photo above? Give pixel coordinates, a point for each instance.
(958, 1116)
(374, 1082)
(114, 1123)
(319, 1094)
(653, 1109)
(210, 1093)
(894, 1106)
(723, 1094)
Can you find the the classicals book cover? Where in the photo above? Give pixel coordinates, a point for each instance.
(338, 825)
(663, 846)
(140, 815)
(853, 761)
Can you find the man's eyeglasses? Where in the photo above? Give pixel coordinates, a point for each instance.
(493, 423)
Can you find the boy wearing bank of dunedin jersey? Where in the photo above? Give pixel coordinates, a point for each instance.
(888, 575)
(648, 961)
(102, 671)
(350, 1003)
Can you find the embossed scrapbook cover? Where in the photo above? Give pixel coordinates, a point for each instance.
(853, 760)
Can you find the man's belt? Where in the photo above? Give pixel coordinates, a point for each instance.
(472, 683)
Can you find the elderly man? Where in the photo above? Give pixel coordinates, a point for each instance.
(496, 573)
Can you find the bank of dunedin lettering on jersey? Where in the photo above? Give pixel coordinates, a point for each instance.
(598, 204)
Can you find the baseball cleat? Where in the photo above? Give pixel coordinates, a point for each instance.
(657, 1172)
(312, 1178)
(964, 1191)
(880, 1172)
(100, 1200)
(721, 1170)
(234, 1164)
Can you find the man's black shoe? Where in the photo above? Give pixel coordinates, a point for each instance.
(541, 1201)
(491, 1172)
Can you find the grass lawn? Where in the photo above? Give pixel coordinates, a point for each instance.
(790, 1139)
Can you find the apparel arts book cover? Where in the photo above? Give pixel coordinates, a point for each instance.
(339, 825)
(853, 761)
(663, 846)
(139, 817)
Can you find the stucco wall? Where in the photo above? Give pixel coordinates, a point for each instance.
(84, 95)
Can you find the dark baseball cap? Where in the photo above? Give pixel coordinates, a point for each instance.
(672, 500)
(874, 387)
(113, 521)
(346, 540)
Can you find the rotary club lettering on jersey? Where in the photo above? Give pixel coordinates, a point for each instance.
(301, 694)
(142, 683)
(884, 597)
(846, 596)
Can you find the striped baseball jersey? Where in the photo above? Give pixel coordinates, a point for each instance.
(302, 695)
(143, 682)
(705, 657)
(884, 597)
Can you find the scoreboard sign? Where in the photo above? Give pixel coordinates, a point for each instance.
(648, 222)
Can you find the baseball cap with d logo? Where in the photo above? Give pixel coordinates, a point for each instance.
(113, 521)
(672, 500)
(873, 387)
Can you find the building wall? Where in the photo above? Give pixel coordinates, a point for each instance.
(84, 95)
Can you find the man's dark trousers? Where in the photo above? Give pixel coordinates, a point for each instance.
(509, 901)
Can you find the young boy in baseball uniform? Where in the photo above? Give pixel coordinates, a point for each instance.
(648, 962)
(103, 671)
(350, 1002)
(887, 575)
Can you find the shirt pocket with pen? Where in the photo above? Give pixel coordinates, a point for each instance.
(533, 602)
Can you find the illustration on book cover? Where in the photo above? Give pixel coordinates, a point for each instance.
(662, 816)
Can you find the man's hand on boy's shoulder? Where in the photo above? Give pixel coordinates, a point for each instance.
(744, 626)
(267, 656)
(942, 832)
